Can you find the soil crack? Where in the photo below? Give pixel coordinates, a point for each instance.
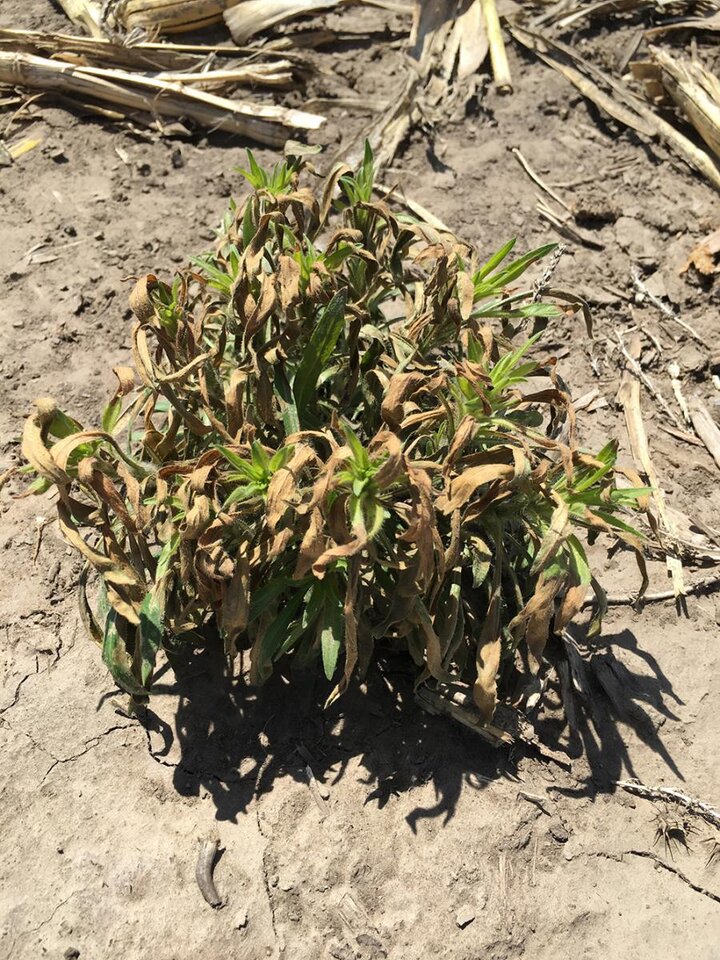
(89, 745)
(266, 879)
(18, 688)
(649, 855)
(179, 765)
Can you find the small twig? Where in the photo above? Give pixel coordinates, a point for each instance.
(663, 308)
(398, 194)
(315, 790)
(681, 435)
(637, 371)
(535, 799)
(628, 599)
(535, 177)
(40, 524)
(567, 229)
(673, 369)
(698, 807)
(203, 872)
(7, 475)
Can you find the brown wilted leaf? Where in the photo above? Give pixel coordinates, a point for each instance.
(489, 650)
(402, 387)
(235, 606)
(705, 257)
(464, 486)
(140, 301)
(532, 624)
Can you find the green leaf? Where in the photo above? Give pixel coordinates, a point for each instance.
(318, 351)
(245, 467)
(500, 280)
(63, 426)
(117, 659)
(265, 596)
(537, 310)
(165, 557)
(277, 632)
(579, 560)
(39, 485)
(495, 260)
(151, 634)
(281, 458)
(245, 491)
(332, 633)
(111, 415)
(360, 454)
(260, 459)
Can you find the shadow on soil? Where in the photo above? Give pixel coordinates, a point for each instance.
(619, 691)
(235, 740)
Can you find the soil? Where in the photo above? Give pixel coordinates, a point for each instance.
(419, 840)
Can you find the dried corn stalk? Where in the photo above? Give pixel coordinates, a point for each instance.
(448, 42)
(266, 123)
(87, 14)
(693, 88)
(566, 15)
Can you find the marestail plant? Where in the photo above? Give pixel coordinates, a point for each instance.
(336, 437)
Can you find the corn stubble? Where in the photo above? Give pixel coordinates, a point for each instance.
(339, 441)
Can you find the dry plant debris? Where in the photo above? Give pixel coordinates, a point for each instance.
(615, 98)
(159, 97)
(336, 442)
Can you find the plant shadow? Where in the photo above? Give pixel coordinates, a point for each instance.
(617, 698)
(234, 741)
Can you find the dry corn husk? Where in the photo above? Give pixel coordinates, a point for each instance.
(172, 16)
(249, 17)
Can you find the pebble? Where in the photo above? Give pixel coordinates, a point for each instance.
(692, 358)
(464, 917)
(241, 919)
(559, 832)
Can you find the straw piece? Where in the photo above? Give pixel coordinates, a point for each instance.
(695, 91)
(706, 429)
